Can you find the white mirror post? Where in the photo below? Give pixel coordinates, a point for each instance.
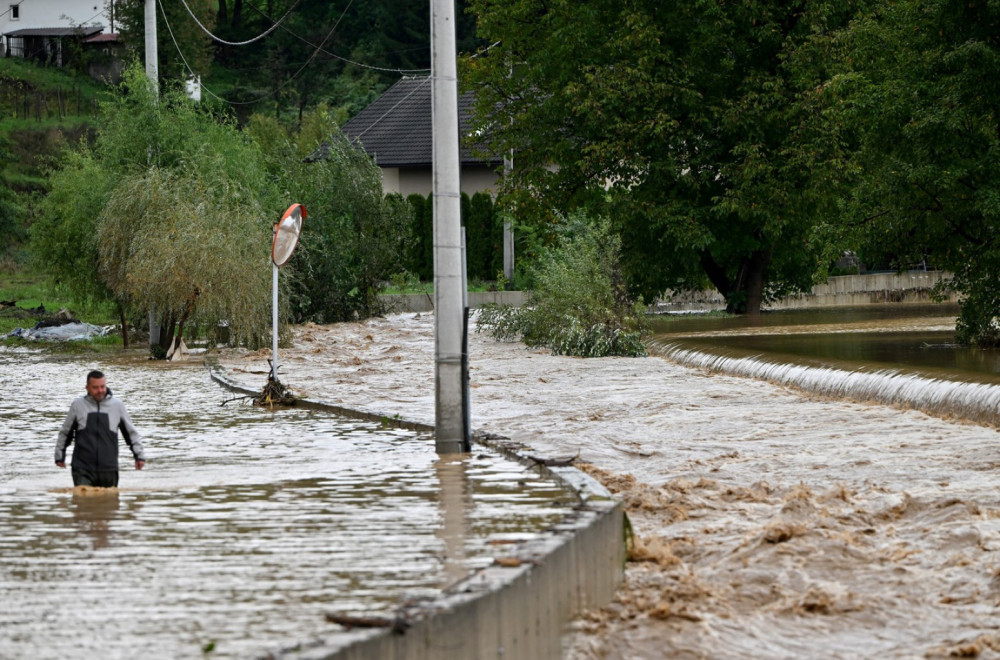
(274, 321)
(286, 237)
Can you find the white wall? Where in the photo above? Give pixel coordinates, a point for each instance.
(390, 180)
(406, 181)
(53, 14)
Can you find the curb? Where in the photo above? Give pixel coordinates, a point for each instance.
(518, 610)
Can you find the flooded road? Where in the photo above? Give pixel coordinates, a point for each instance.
(246, 526)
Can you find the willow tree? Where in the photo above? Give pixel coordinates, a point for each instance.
(170, 210)
(192, 247)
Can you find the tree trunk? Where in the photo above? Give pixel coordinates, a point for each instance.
(188, 310)
(754, 283)
(716, 275)
(237, 13)
(124, 322)
(167, 331)
(223, 16)
(745, 293)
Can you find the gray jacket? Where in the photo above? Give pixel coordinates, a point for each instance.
(95, 426)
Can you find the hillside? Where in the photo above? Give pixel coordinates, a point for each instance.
(41, 110)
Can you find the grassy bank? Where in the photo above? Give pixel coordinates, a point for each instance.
(27, 297)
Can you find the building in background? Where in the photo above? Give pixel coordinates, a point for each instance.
(56, 32)
(395, 130)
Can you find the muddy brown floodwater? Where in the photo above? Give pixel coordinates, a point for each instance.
(771, 521)
(246, 527)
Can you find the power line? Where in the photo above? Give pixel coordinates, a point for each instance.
(248, 41)
(11, 7)
(338, 57)
(263, 96)
(183, 59)
(385, 114)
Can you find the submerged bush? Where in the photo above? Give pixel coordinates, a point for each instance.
(579, 305)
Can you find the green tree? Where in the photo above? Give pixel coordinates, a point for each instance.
(917, 99)
(192, 247)
(686, 113)
(479, 238)
(180, 42)
(64, 234)
(353, 238)
(419, 259)
(163, 213)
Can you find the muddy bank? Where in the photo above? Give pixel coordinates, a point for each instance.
(770, 523)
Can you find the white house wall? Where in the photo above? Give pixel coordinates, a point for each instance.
(53, 14)
(479, 178)
(390, 180)
(407, 181)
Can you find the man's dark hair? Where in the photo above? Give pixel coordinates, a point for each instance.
(95, 375)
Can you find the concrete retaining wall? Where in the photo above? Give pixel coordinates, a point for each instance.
(516, 611)
(841, 291)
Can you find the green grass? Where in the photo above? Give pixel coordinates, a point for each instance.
(46, 85)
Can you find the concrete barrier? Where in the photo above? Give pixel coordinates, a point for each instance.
(516, 610)
(840, 291)
(424, 302)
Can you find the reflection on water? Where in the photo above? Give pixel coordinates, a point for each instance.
(455, 497)
(93, 510)
(901, 354)
(246, 526)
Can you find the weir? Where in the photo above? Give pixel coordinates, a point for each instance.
(976, 402)
(898, 355)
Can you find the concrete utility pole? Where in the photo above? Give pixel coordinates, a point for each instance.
(152, 72)
(151, 55)
(451, 426)
(508, 231)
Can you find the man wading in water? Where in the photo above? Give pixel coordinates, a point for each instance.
(93, 421)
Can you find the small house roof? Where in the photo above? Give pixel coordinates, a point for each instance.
(103, 38)
(396, 128)
(56, 32)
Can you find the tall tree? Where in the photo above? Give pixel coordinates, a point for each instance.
(918, 98)
(687, 113)
(180, 41)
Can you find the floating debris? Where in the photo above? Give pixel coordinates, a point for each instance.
(275, 394)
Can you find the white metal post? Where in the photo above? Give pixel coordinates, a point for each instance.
(274, 322)
(451, 432)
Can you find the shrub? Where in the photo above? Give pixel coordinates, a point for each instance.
(579, 305)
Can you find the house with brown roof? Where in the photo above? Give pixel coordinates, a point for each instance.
(395, 130)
